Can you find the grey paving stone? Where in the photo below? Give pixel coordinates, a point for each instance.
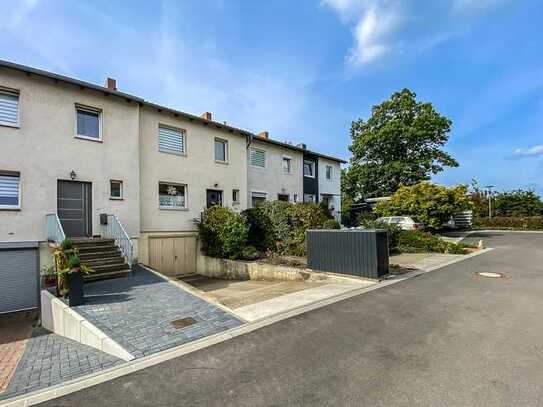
(137, 311)
(33, 372)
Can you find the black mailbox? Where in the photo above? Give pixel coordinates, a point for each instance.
(103, 219)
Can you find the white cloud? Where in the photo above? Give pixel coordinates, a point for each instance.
(374, 22)
(381, 28)
(535, 151)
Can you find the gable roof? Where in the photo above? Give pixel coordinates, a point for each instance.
(107, 91)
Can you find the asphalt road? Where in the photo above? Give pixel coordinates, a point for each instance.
(446, 338)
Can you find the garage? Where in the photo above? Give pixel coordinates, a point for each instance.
(19, 276)
(173, 255)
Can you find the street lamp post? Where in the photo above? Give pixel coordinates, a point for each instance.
(489, 195)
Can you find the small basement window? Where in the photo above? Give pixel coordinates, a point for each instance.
(89, 123)
(10, 191)
(172, 196)
(116, 189)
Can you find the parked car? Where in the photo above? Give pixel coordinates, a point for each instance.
(405, 222)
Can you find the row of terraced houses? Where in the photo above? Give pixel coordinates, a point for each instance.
(81, 160)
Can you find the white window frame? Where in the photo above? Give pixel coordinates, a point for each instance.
(183, 136)
(312, 166)
(265, 158)
(89, 109)
(237, 193)
(258, 192)
(170, 208)
(225, 143)
(326, 172)
(116, 198)
(286, 157)
(19, 189)
(18, 93)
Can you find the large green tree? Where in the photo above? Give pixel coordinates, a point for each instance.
(400, 144)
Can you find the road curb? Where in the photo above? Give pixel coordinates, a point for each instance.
(83, 382)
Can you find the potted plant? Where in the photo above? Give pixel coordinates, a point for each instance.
(48, 275)
(73, 276)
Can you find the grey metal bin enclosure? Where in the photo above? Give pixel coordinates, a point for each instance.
(362, 253)
(19, 276)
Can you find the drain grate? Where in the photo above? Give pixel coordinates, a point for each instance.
(183, 322)
(489, 274)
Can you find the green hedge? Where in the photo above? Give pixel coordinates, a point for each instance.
(274, 226)
(510, 223)
(419, 241)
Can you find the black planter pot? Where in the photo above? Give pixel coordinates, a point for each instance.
(75, 284)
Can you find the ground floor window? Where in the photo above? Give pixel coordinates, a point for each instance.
(115, 189)
(9, 190)
(235, 195)
(172, 196)
(309, 198)
(257, 198)
(283, 197)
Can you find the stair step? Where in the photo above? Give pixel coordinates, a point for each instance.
(105, 268)
(100, 253)
(96, 247)
(103, 261)
(86, 241)
(104, 276)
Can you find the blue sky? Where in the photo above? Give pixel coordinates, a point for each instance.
(303, 70)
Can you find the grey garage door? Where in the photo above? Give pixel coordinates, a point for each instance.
(19, 276)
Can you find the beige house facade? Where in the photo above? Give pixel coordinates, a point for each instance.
(75, 151)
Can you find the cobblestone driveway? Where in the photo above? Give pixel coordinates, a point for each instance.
(50, 359)
(137, 312)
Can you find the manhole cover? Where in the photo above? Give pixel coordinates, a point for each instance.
(183, 322)
(490, 274)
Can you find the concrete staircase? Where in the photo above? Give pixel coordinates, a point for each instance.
(103, 256)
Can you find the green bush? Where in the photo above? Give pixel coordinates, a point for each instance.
(511, 223)
(280, 226)
(429, 203)
(223, 233)
(419, 241)
(331, 224)
(250, 253)
(67, 244)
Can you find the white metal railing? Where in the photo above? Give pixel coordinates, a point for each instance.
(114, 230)
(55, 233)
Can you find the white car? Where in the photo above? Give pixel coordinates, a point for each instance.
(405, 222)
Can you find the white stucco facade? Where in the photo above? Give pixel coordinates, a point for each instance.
(330, 188)
(196, 169)
(273, 180)
(43, 149)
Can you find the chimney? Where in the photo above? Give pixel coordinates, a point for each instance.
(302, 146)
(207, 116)
(264, 134)
(111, 84)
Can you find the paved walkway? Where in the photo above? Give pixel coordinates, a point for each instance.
(50, 359)
(444, 338)
(137, 312)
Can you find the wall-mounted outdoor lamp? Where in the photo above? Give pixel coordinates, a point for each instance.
(73, 175)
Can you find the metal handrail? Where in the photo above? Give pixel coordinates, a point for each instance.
(55, 233)
(114, 230)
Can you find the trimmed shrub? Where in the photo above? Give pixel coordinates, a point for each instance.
(511, 223)
(419, 241)
(223, 233)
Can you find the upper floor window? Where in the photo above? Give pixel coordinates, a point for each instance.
(309, 168)
(257, 158)
(10, 197)
(89, 123)
(172, 196)
(9, 108)
(221, 150)
(171, 140)
(329, 172)
(287, 165)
